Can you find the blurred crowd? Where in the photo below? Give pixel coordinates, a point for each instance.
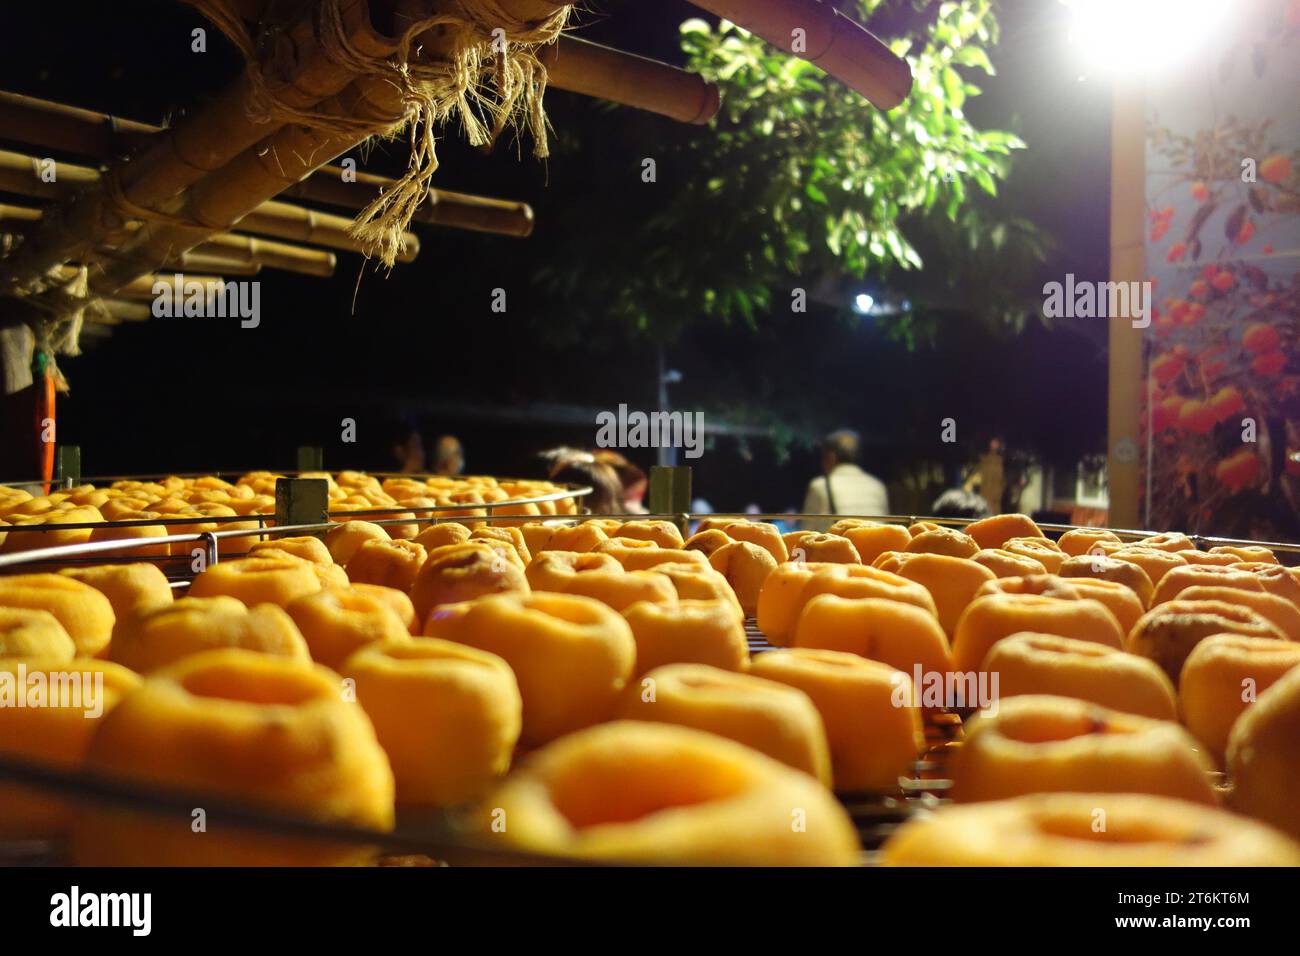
(619, 486)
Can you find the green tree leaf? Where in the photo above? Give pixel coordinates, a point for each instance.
(800, 180)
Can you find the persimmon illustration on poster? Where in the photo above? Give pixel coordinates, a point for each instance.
(1222, 354)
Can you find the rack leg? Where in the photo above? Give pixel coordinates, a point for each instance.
(670, 492)
(69, 465)
(301, 501)
(310, 459)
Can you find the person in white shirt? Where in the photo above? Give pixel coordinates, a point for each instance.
(851, 490)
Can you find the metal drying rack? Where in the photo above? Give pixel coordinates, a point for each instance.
(442, 837)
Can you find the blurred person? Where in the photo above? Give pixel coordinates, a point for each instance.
(448, 456)
(632, 479)
(990, 472)
(843, 488)
(576, 467)
(402, 448)
(963, 501)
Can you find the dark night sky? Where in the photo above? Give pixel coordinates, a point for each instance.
(184, 395)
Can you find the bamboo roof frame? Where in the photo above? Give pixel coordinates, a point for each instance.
(170, 197)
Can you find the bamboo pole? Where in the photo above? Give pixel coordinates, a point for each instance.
(68, 129)
(140, 287)
(442, 208)
(126, 311)
(18, 214)
(297, 70)
(590, 69)
(280, 220)
(246, 253)
(145, 287)
(106, 317)
(121, 310)
(272, 255)
(286, 221)
(820, 34)
(80, 132)
(23, 175)
(199, 262)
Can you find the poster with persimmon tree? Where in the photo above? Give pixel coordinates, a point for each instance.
(1222, 354)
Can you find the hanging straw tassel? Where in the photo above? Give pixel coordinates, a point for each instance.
(56, 322)
(61, 333)
(434, 92)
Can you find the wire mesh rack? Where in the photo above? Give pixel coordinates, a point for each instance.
(445, 837)
(222, 535)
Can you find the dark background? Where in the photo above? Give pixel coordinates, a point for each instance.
(194, 394)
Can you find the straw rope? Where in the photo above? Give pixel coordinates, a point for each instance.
(117, 198)
(486, 89)
(60, 313)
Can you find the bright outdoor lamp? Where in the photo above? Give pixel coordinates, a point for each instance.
(1142, 36)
